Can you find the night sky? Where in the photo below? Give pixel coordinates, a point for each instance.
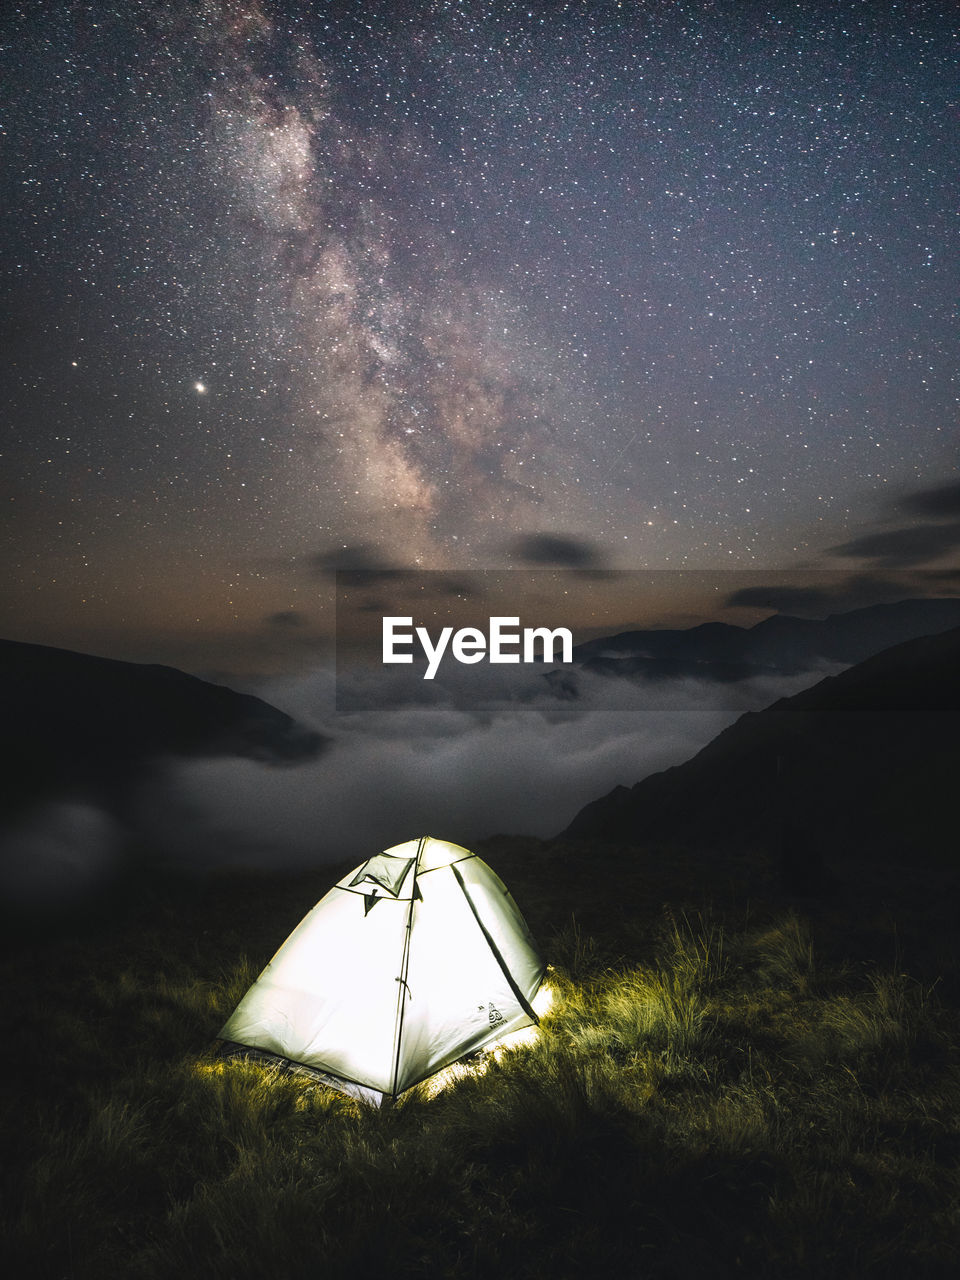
(461, 285)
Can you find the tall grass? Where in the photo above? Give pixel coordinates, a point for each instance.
(785, 954)
(733, 1105)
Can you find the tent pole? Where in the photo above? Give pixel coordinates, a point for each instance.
(404, 969)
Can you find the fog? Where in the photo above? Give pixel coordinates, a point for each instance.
(405, 758)
(514, 759)
(58, 853)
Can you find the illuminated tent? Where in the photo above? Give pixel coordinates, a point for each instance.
(417, 958)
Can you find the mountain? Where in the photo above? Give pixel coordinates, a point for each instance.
(72, 722)
(779, 644)
(865, 761)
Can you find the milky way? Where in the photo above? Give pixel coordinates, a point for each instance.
(673, 286)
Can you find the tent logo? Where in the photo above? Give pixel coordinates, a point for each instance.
(496, 1017)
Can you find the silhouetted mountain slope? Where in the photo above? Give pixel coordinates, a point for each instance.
(72, 721)
(866, 760)
(780, 643)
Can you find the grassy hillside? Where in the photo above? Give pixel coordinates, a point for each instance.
(729, 1083)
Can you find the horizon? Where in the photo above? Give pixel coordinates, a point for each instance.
(737, 598)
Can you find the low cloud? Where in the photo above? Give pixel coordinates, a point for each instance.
(849, 591)
(443, 766)
(517, 759)
(802, 601)
(903, 548)
(554, 549)
(362, 556)
(286, 620)
(933, 503)
(910, 546)
(58, 853)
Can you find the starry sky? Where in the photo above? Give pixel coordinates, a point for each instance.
(289, 288)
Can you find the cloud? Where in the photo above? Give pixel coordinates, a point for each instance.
(783, 599)
(405, 769)
(913, 545)
(516, 760)
(363, 567)
(362, 557)
(286, 619)
(556, 549)
(903, 548)
(849, 591)
(58, 853)
(933, 503)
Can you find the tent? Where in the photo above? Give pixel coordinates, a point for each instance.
(414, 960)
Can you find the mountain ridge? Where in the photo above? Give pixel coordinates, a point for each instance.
(863, 760)
(80, 723)
(780, 644)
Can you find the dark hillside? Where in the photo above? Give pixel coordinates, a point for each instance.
(864, 762)
(86, 724)
(719, 651)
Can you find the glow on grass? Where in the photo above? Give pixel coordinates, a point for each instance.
(477, 1065)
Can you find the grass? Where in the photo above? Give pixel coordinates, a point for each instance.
(719, 1089)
